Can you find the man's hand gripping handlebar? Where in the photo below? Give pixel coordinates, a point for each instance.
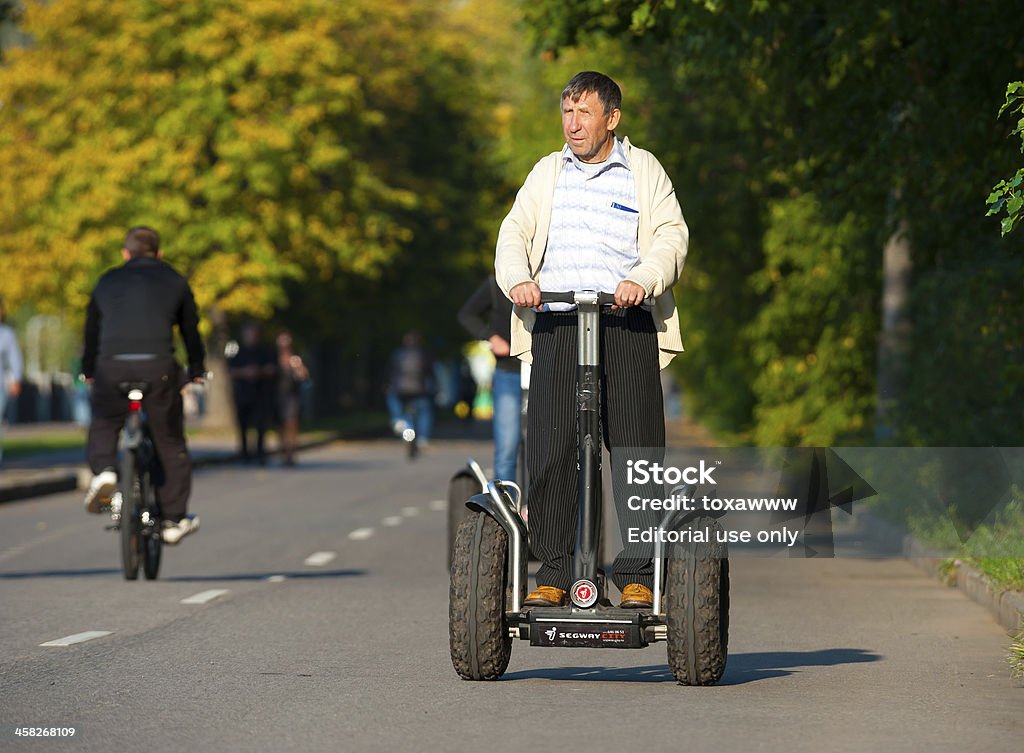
(529, 295)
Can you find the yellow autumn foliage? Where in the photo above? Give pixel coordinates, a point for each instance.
(248, 132)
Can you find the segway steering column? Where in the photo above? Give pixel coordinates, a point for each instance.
(584, 592)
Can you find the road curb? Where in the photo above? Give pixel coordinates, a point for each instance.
(1007, 607)
(61, 479)
(43, 482)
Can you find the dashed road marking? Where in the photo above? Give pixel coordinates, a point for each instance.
(410, 512)
(393, 520)
(439, 505)
(361, 534)
(77, 638)
(317, 559)
(204, 596)
(276, 578)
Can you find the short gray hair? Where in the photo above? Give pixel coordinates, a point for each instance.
(591, 81)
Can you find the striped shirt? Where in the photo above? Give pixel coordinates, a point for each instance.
(592, 240)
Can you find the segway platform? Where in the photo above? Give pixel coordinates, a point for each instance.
(572, 627)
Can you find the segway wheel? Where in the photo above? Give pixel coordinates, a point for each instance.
(477, 628)
(697, 608)
(462, 486)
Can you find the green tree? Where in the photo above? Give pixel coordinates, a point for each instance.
(1008, 195)
(871, 108)
(814, 383)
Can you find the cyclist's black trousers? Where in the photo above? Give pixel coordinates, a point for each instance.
(632, 415)
(164, 411)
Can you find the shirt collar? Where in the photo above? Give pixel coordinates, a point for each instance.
(616, 157)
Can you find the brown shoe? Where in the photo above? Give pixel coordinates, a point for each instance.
(635, 596)
(546, 596)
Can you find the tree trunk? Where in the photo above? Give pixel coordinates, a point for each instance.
(894, 341)
(220, 413)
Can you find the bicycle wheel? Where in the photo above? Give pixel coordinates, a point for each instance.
(151, 534)
(131, 506)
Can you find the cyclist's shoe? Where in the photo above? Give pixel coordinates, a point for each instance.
(175, 532)
(101, 489)
(637, 596)
(546, 596)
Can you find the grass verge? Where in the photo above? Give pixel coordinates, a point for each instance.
(57, 440)
(995, 547)
(1016, 656)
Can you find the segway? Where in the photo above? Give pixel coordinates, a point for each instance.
(467, 481)
(489, 564)
(470, 479)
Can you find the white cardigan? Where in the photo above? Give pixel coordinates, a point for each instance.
(662, 235)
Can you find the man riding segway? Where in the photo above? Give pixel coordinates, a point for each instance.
(600, 214)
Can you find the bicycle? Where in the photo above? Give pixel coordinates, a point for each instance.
(409, 409)
(412, 442)
(138, 517)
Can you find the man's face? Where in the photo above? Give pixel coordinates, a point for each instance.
(588, 129)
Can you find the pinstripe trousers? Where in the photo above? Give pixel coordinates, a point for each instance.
(632, 416)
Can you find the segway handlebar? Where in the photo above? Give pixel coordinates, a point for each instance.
(580, 296)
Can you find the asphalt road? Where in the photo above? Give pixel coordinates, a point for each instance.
(320, 623)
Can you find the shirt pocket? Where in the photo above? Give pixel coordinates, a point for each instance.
(622, 225)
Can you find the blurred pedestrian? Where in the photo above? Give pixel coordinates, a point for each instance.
(411, 387)
(466, 389)
(253, 371)
(487, 315)
(291, 375)
(10, 369)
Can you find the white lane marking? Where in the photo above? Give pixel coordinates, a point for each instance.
(439, 504)
(204, 596)
(360, 534)
(392, 520)
(77, 638)
(320, 558)
(276, 578)
(410, 512)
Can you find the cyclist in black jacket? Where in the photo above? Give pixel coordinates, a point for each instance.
(129, 336)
